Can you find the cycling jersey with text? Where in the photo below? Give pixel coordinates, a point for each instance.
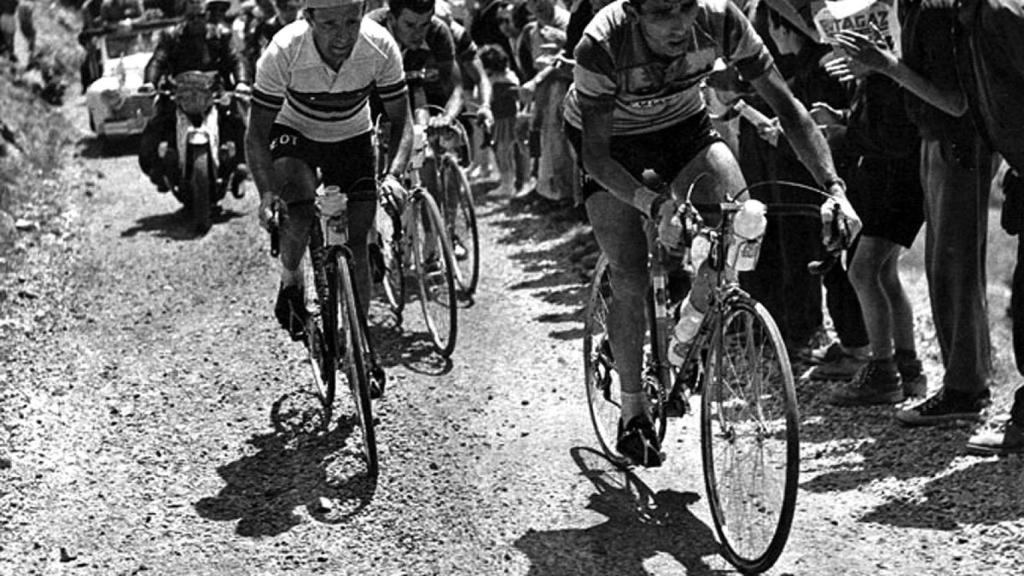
(652, 92)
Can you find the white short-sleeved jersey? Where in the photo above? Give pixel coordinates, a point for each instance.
(324, 105)
(651, 93)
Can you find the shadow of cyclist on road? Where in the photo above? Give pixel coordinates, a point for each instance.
(296, 466)
(642, 526)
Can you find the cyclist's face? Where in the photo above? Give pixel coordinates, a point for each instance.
(666, 25)
(410, 27)
(335, 30)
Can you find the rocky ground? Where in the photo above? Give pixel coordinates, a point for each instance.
(143, 379)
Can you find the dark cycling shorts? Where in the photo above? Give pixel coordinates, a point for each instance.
(347, 164)
(666, 151)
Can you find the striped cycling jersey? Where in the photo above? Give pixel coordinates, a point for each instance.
(324, 105)
(651, 92)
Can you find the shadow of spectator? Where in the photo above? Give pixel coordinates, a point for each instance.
(641, 524)
(988, 492)
(872, 448)
(294, 467)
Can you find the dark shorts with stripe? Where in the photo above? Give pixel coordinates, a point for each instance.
(665, 152)
(347, 164)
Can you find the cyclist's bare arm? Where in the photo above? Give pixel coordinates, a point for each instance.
(451, 76)
(400, 137)
(257, 151)
(485, 85)
(597, 155)
(805, 138)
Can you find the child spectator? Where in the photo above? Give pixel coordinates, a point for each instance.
(504, 99)
(887, 189)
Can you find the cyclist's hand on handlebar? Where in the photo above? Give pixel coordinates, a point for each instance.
(840, 222)
(243, 89)
(670, 225)
(485, 116)
(439, 121)
(271, 211)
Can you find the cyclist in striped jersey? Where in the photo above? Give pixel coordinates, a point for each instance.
(310, 111)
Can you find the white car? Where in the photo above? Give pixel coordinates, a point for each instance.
(116, 108)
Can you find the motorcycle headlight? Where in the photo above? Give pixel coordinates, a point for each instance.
(113, 99)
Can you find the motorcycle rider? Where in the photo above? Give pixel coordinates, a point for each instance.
(195, 44)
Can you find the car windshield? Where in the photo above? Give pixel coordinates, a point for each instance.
(119, 45)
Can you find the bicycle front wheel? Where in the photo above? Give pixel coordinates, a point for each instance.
(435, 273)
(750, 436)
(388, 222)
(354, 363)
(462, 230)
(321, 327)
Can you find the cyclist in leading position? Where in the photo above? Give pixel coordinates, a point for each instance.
(428, 57)
(310, 111)
(635, 104)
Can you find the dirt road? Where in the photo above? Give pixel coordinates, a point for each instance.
(141, 368)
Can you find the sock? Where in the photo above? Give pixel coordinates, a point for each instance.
(634, 404)
(290, 277)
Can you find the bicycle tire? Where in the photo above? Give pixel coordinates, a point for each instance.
(321, 343)
(603, 386)
(353, 349)
(436, 279)
(747, 416)
(388, 222)
(463, 227)
(199, 187)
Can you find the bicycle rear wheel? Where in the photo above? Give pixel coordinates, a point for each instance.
(435, 273)
(388, 224)
(750, 436)
(604, 387)
(463, 228)
(354, 363)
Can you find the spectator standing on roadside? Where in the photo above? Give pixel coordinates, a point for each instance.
(485, 27)
(505, 105)
(781, 280)
(991, 69)
(545, 37)
(956, 170)
(885, 189)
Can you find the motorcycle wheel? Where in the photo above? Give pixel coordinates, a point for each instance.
(200, 184)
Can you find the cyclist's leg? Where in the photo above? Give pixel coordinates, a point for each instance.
(298, 191)
(619, 233)
(714, 173)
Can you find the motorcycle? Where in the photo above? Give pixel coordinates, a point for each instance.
(206, 167)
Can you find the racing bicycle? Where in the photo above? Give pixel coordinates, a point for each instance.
(338, 339)
(409, 242)
(737, 364)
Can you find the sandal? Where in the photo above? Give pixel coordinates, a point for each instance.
(639, 442)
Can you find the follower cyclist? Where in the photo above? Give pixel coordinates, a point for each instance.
(310, 111)
(428, 57)
(635, 104)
